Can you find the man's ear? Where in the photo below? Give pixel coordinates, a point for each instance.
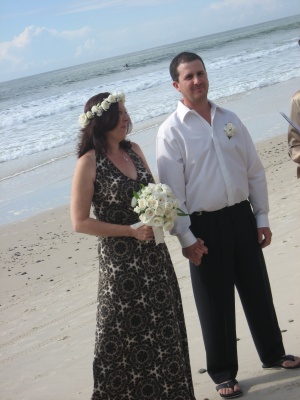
(176, 85)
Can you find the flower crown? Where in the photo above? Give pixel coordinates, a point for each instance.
(84, 119)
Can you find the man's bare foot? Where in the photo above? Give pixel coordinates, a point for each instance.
(289, 364)
(285, 362)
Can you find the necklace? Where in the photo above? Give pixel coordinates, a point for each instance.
(118, 154)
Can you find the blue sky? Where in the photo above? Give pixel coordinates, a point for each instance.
(39, 36)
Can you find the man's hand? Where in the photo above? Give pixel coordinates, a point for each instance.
(195, 252)
(264, 236)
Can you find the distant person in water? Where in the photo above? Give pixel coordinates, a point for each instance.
(126, 65)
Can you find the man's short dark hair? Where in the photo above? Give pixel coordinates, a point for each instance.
(182, 58)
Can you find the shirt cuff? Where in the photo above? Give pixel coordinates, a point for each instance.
(262, 221)
(187, 239)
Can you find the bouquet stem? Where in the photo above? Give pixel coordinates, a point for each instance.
(158, 234)
(157, 230)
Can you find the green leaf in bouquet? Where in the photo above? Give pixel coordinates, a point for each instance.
(181, 213)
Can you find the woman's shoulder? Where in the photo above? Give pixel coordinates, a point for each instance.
(136, 148)
(87, 160)
(138, 151)
(86, 166)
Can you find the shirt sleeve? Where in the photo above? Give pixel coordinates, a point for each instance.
(293, 136)
(171, 172)
(258, 191)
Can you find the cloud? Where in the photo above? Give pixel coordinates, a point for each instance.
(18, 42)
(92, 5)
(87, 47)
(11, 50)
(269, 4)
(75, 34)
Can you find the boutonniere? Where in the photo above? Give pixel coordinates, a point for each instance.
(230, 130)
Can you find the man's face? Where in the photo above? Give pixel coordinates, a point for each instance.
(192, 83)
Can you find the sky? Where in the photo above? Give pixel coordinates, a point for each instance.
(40, 36)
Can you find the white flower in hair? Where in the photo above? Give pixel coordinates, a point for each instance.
(83, 120)
(105, 105)
(121, 97)
(90, 115)
(112, 98)
(98, 109)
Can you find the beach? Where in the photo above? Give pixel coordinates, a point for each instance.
(49, 280)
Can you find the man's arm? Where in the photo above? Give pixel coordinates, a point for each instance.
(258, 194)
(171, 172)
(257, 183)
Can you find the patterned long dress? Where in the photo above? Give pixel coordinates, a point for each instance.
(141, 349)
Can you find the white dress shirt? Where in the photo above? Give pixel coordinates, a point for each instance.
(205, 169)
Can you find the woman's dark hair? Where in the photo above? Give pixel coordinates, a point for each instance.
(93, 136)
(181, 58)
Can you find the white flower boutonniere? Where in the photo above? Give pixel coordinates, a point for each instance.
(230, 130)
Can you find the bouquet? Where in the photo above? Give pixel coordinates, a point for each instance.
(156, 206)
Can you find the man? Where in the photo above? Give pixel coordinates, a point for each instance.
(206, 155)
(293, 134)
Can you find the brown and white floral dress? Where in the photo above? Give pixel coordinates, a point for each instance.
(141, 349)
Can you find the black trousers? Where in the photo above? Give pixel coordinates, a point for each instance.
(234, 259)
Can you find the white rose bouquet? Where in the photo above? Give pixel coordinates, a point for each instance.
(156, 206)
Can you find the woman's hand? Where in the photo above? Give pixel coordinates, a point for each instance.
(143, 233)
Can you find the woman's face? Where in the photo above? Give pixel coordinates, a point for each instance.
(120, 131)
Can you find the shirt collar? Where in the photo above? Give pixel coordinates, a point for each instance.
(183, 110)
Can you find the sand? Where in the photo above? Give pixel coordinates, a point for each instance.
(49, 278)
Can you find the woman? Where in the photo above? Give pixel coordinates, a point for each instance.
(141, 349)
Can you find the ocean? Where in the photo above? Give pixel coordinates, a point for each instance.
(39, 114)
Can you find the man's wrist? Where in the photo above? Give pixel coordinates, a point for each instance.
(186, 240)
(262, 221)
